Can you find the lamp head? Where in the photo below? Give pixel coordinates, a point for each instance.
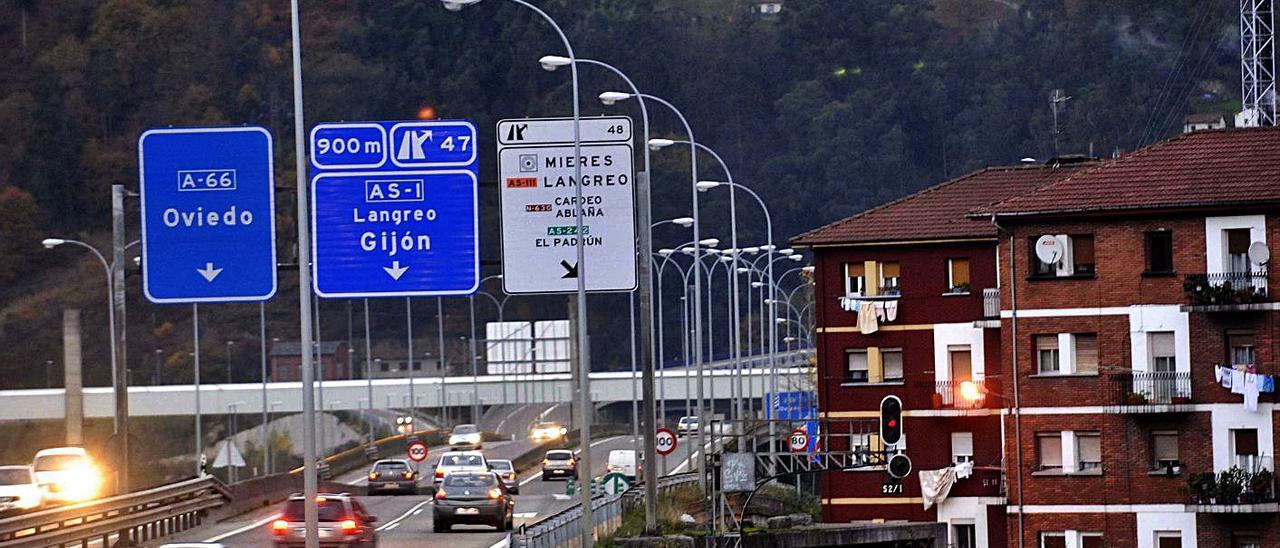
(781, 320)
(687, 250)
(457, 5)
(757, 285)
(797, 257)
(786, 251)
(683, 221)
(751, 250)
(808, 269)
(552, 62)
(611, 97)
(744, 270)
(50, 243)
(726, 258)
(704, 186)
(658, 144)
(666, 252)
(710, 242)
(769, 247)
(970, 391)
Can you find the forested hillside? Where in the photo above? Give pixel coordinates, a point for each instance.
(826, 108)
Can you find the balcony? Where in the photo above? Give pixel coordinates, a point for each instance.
(991, 302)
(1248, 487)
(947, 395)
(1226, 291)
(1160, 392)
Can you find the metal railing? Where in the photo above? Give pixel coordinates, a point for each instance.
(120, 520)
(566, 528)
(1249, 480)
(947, 394)
(1226, 288)
(991, 302)
(1160, 388)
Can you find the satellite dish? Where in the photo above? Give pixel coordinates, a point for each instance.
(1049, 249)
(1258, 253)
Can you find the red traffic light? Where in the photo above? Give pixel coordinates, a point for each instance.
(890, 420)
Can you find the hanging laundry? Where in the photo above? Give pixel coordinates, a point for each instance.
(880, 313)
(935, 485)
(1250, 391)
(891, 310)
(1266, 384)
(1237, 381)
(850, 304)
(964, 470)
(867, 318)
(1222, 375)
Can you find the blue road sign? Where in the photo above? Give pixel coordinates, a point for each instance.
(208, 214)
(394, 209)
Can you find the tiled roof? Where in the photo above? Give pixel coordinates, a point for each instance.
(1204, 169)
(939, 211)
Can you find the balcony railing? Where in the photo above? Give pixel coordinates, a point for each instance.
(1161, 388)
(1250, 480)
(947, 395)
(1226, 288)
(991, 302)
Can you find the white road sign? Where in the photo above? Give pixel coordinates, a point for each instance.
(798, 441)
(539, 228)
(664, 441)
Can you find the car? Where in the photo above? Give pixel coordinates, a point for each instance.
(66, 474)
(19, 491)
(343, 522)
(394, 475)
(507, 473)
(688, 426)
(559, 463)
(477, 498)
(465, 437)
(622, 461)
(546, 431)
(460, 461)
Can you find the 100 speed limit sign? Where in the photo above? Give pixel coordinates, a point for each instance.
(417, 451)
(798, 441)
(664, 442)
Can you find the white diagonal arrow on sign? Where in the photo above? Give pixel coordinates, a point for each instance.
(395, 270)
(209, 272)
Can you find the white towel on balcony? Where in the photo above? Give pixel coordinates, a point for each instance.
(867, 318)
(1251, 391)
(1237, 381)
(891, 310)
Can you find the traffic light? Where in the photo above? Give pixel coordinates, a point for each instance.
(899, 466)
(891, 420)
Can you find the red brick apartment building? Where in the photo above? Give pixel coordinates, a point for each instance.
(1106, 370)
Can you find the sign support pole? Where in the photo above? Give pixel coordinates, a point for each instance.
(304, 292)
(122, 370)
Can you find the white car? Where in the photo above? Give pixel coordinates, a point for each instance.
(460, 461)
(622, 461)
(688, 426)
(465, 436)
(66, 474)
(18, 489)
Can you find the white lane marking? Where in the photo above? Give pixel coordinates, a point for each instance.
(246, 528)
(504, 543)
(418, 512)
(391, 524)
(531, 478)
(525, 515)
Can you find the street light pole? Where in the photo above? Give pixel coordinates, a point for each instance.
(262, 341)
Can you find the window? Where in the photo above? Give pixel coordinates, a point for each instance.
(1091, 540)
(1089, 451)
(1160, 252)
(890, 278)
(857, 362)
(1039, 268)
(1049, 450)
(1163, 357)
(1053, 540)
(892, 360)
(854, 279)
(1168, 539)
(1246, 540)
(1238, 250)
(961, 447)
(1086, 352)
(1240, 347)
(1164, 450)
(957, 275)
(417, 365)
(384, 366)
(961, 364)
(1244, 447)
(964, 535)
(1047, 354)
(1083, 261)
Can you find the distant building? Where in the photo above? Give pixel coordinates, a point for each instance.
(1203, 121)
(286, 361)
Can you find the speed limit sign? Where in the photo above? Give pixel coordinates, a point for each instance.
(798, 441)
(417, 451)
(664, 442)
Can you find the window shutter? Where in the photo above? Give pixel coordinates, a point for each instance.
(1166, 446)
(1086, 353)
(1162, 345)
(962, 443)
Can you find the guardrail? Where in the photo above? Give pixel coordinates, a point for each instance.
(119, 520)
(566, 528)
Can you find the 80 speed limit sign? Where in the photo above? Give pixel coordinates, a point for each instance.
(798, 441)
(664, 442)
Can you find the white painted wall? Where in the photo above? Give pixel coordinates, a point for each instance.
(1150, 522)
(1145, 319)
(1227, 416)
(1215, 241)
(965, 510)
(949, 334)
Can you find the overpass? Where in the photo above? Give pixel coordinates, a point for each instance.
(351, 395)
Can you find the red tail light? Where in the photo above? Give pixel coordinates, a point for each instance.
(279, 526)
(439, 473)
(495, 493)
(408, 475)
(348, 526)
(440, 494)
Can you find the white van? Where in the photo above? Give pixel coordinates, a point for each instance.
(66, 474)
(622, 461)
